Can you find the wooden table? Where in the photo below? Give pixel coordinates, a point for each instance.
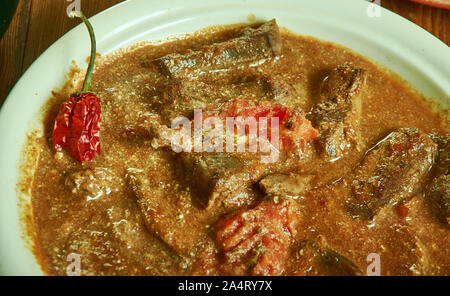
(38, 23)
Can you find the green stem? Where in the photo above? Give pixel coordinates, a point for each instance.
(87, 79)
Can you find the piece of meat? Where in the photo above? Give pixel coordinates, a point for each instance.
(282, 89)
(279, 88)
(438, 193)
(442, 166)
(336, 114)
(391, 171)
(182, 97)
(313, 258)
(219, 179)
(171, 216)
(254, 45)
(166, 214)
(92, 183)
(438, 198)
(257, 241)
(286, 184)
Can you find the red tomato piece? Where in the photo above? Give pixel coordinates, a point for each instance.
(256, 241)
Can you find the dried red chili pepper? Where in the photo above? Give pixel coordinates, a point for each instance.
(77, 126)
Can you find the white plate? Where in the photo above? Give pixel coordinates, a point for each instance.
(377, 33)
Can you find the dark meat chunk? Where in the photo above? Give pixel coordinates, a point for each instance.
(166, 214)
(438, 193)
(438, 198)
(279, 87)
(257, 241)
(181, 98)
(442, 166)
(391, 171)
(337, 112)
(283, 89)
(254, 45)
(312, 258)
(219, 179)
(286, 184)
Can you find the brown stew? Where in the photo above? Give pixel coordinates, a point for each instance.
(363, 166)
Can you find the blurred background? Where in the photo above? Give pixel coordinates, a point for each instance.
(28, 27)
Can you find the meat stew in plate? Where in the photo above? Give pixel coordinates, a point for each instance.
(358, 164)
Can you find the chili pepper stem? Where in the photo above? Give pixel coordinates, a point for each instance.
(87, 79)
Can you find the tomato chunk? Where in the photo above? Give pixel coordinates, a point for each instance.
(256, 241)
(294, 128)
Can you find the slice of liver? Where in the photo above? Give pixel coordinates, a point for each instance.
(336, 114)
(165, 215)
(182, 97)
(391, 171)
(438, 192)
(438, 198)
(219, 179)
(253, 45)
